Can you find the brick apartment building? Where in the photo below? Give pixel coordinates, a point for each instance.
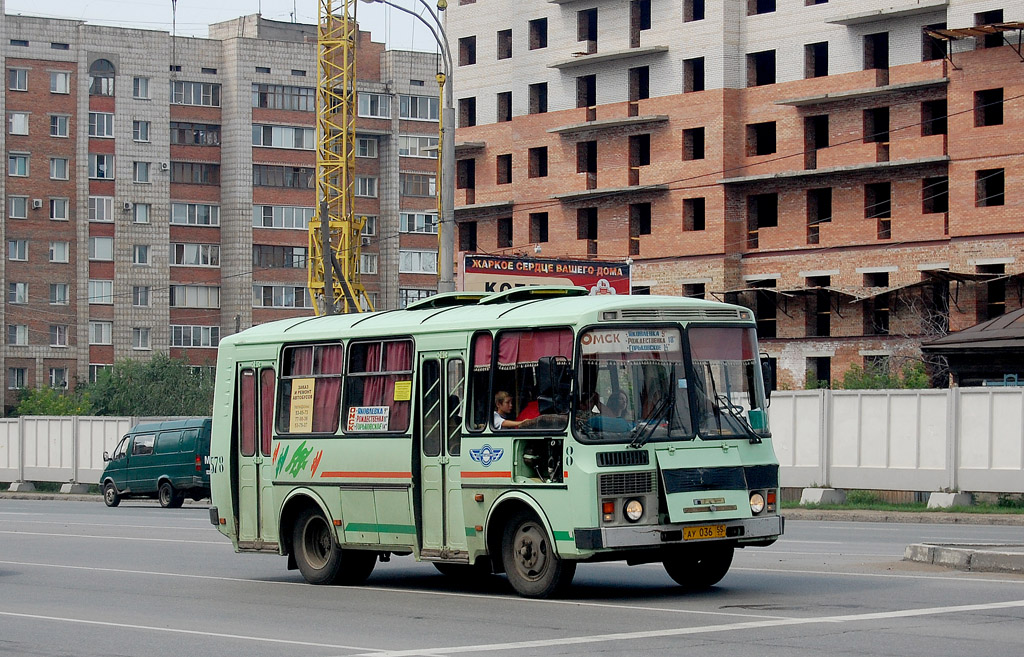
(158, 189)
(829, 164)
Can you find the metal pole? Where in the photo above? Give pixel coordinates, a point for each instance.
(446, 246)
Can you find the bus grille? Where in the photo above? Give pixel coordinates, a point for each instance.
(627, 483)
(734, 478)
(628, 457)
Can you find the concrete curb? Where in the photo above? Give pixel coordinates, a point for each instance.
(974, 557)
(923, 517)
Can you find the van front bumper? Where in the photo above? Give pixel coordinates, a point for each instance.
(745, 531)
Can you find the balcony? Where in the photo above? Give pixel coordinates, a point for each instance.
(853, 94)
(586, 59)
(593, 125)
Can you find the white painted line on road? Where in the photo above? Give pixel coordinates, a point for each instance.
(121, 538)
(216, 635)
(683, 631)
(208, 528)
(788, 541)
(888, 575)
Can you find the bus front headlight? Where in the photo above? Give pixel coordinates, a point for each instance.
(633, 510)
(756, 503)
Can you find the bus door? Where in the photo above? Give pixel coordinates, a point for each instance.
(442, 378)
(257, 528)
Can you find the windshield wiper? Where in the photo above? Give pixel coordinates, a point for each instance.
(736, 412)
(660, 413)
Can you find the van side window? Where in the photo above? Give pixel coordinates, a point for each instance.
(167, 442)
(188, 440)
(121, 446)
(143, 444)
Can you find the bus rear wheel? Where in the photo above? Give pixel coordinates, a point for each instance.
(699, 568)
(533, 568)
(319, 558)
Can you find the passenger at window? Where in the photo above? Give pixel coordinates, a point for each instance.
(612, 417)
(503, 411)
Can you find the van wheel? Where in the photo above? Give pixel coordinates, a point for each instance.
(319, 558)
(533, 568)
(698, 569)
(169, 498)
(110, 495)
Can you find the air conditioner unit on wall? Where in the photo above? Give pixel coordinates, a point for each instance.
(37, 203)
(127, 206)
(366, 241)
(164, 166)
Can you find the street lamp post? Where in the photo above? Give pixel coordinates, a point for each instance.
(446, 204)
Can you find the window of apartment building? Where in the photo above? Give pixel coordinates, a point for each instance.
(765, 307)
(58, 336)
(538, 162)
(17, 207)
(694, 213)
(17, 164)
(101, 292)
(465, 174)
(693, 144)
(59, 125)
(140, 172)
(505, 233)
(140, 131)
(639, 150)
(268, 175)
(538, 98)
(417, 261)
(17, 250)
(60, 209)
(989, 18)
(933, 117)
(101, 208)
(586, 224)
(367, 147)
(417, 222)
(140, 337)
(101, 78)
(366, 186)
(140, 88)
(197, 296)
(695, 290)
(101, 332)
(369, 225)
(101, 124)
(878, 206)
(59, 251)
(876, 51)
(101, 248)
(819, 372)
(416, 146)
(693, 74)
(816, 60)
(586, 91)
(538, 33)
(140, 296)
(17, 79)
(876, 125)
(199, 255)
(818, 316)
(374, 106)
(467, 112)
(467, 51)
(17, 334)
(58, 294)
(988, 107)
(368, 264)
(991, 294)
(761, 138)
(877, 308)
(932, 48)
(755, 7)
(538, 227)
(195, 134)
(639, 225)
(504, 106)
(935, 195)
(639, 20)
(762, 212)
(586, 29)
(101, 167)
(407, 296)
(417, 184)
(467, 236)
(300, 99)
(504, 169)
(206, 94)
(140, 213)
(990, 187)
(59, 377)
(60, 82)
(819, 211)
(263, 255)
(276, 216)
(761, 68)
(96, 369)
(586, 161)
(279, 136)
(17, 292)
(639, 83)
(59, 168)
(816, 132)
(693, 10)
(17, 123)
(195, 336)
(504, 44)
(17, 377)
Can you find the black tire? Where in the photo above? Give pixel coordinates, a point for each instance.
(699, 568)
(110, 495)
(534, 569)
(168, 497)
(319, 558)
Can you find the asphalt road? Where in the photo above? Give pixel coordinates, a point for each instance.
(77, 578)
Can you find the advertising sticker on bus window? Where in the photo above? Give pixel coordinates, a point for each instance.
(368, 418)
(644, 340)
(403, 390)
(302, 405)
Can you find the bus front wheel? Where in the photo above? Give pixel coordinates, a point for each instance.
(533, 568)
(319, 558)
(696, 569)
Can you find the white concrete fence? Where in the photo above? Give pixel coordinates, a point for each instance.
(961, 439)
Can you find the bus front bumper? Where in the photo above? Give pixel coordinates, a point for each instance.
(745, 531)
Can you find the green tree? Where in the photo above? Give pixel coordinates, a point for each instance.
(913, 375)
(160, 386)
(51, 401)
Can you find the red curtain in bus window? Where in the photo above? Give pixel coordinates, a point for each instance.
(302, 362)
(247, 412)
(482, 344)
(519, 348)
(722, 344)
(266, 409)
(398, 359)
(373, 388)
(327, 393)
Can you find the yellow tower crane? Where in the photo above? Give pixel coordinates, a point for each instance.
(333, 271)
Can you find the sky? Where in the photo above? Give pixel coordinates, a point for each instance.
(395, 28)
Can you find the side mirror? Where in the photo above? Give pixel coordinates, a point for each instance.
(767, 376)
(554, 380)
(106, 457)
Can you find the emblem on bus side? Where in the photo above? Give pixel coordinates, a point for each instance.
(486, 455)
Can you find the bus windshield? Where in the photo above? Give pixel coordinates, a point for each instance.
(632, 384)
(727, 403)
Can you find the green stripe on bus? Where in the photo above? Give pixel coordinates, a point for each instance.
(562, 536)
(470, 531)
(383, 529)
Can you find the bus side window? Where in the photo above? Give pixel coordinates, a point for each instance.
(479, 381)
(456, 381)
(378, 386)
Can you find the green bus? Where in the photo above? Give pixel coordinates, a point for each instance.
(522, 432)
